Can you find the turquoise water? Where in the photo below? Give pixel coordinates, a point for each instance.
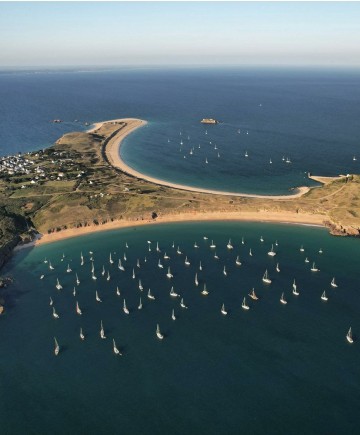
(309, 116)
(275, 369)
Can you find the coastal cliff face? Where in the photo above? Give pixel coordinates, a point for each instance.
(12, 226)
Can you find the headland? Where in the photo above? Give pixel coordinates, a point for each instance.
(81, 184)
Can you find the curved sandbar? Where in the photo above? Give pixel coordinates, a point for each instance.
(113, 155)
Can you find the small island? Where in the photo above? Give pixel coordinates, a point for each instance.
(209, 121)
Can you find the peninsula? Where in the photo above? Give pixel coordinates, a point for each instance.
(80, 185)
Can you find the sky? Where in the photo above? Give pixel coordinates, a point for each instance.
(179, 33)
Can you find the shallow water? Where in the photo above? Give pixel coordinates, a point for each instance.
(275, 369)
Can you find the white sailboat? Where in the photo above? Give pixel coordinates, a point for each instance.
(58, 285)
(324, 297)
(93, 276)
(160, 265)
(178, 250)
(200, 266)
(187, 262)
(272, 253)
(169, 274)
(250, 253)
(124, 257)
(82, 335)
(115, 349)
(117, 291)
(42, 276)
(173, 293)
(55, 314)
(150, 296)
(157, 247)
(77, 279)
(140, 305)
(57, 347)
(224, 271)
(102, 331)
(282, 299)
(333, 283)
(196, 280)
(266, 278)
(158, 333)
(78, 311)
(97, 297)
(244, 305)
(314, 268)
(125, 308)
(320, 251)
(242, 241)
(205, 292)
(216, 256)
(307, 260)
(277, 267)
(229, 245)
(182, 304)
(111, 261)
(74, 291)
(81, 259)
(108, 276)
(133, 274)
(103, 271)
(349, 337)
(253, 295)
(120, 266)
(51, 302)
(196, 245)
(141, 288)
(223, 311)
(51, 266)
(173, 314)
(302, 248)
(294, 289)
(68, 269)
(138, 263)
(212, 246)
(261, 239)
(166, 257)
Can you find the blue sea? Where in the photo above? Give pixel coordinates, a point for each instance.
(272, 369)
(309, 117)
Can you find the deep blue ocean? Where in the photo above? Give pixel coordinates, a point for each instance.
(310, 117)
(274, 369)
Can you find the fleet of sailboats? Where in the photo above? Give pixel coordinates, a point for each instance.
(106, 276)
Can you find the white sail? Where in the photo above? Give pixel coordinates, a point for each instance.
(125, 309)
(115, 349)
(223, 311)
(244, 305)
(158, 333)
(349, 337)
(266, 278)
(57, 347)
(102, 331)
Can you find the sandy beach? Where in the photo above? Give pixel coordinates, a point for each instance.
(286, 218)
(113, 155)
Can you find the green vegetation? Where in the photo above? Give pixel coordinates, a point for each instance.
(77, 187)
